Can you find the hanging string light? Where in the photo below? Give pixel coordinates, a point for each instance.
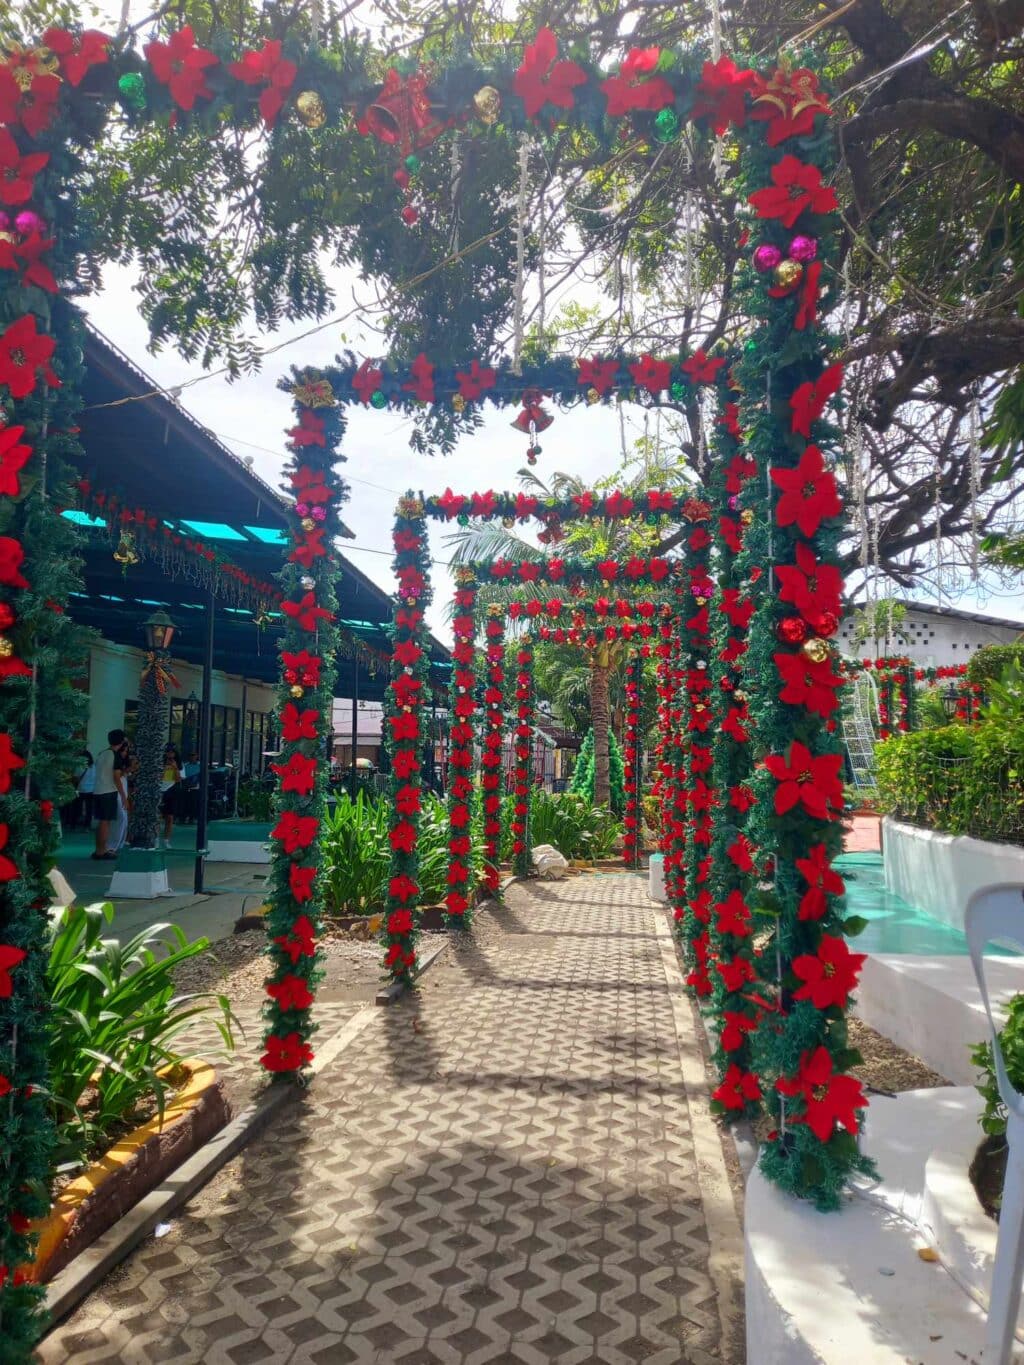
(938, 528)
(517, 315)
(974, 471)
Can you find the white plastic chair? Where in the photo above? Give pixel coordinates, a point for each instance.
(996, 913)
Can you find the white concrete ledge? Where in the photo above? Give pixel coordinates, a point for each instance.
(940, 872)
(832, 1289)
(237, 851)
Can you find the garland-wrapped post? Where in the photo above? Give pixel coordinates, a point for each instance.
(802, 1053)
(305, 697)
(460, 753)
(494, 737)
(633, 818)
(522, 785)
(406, 734)
(695, 590)
(732, 930)
(41, 708)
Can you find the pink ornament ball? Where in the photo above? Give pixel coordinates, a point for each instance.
(766, 258)
(803, 249)
(302, 509)
(27, 222)
(734, 502)
(319, 514)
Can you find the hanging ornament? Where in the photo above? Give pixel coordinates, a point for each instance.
(766, 257)
(6, 647)
(678, 389)
(378, 399)
(593, 396)
(295, 691)
(133, 90)
(747, 516)
(310, 109)
(402, 116)
(816, 650)
(487, 103)
(508, 522)
(261, 616)
(308, 524)
(410, 215)
(459, 404)
(803, 249)
(308, 583)
(791, 630)
(126, 554)
(787, 274)
(666, 125)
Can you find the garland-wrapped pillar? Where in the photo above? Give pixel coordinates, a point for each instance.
(460, 752)
(802, 1053)
(633, 818)
(732, 927)
(494, 737)
(305, 697)
(406, 734)
(522, 783)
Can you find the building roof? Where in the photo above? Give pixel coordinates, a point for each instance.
(143, 446)
(954, 613)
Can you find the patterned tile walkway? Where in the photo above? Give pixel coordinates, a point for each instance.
(517, 1165)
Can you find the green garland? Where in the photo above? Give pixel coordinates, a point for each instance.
(491, 758)
(522, 787)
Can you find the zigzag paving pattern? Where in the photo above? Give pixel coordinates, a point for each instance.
(516, 1165)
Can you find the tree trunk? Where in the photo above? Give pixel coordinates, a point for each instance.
(600, 675)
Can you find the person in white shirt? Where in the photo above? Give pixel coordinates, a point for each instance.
(110, 793)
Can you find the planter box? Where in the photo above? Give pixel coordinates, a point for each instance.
(141, 874)
(238, 841)
(938, 873)
(130, 1169)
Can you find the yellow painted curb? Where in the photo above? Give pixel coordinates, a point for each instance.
(59, 1221)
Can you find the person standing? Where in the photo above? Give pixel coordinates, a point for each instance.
(86, 790)
(170, 787)
(109, 791)
(126, 766)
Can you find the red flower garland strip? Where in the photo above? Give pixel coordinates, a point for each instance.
(304, 710)
(460, 753)
(493, 737)
(588, 505)
(632, 822)
(522, 777)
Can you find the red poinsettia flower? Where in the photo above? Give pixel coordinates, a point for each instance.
(738, 1088)
(77, 55)
(476, 380)
(651, 374)
(300, 882)
(9, 762)
(701, 368)
(829, 1098)
(14, 455)
(733, 916)
(9, 957)
(736, 1027)
(796, 187)
(289, 1053)
(451, 504)
(12, 556)
(309, 432)
(809, 684)
(309, 485)
(742, 798)
(813, 782)
(404, 727)
(807, 309)
(421, 379)
(300, 941)
(400, 922)
(26, 258)
(403, 836)
(543, 79)
(402, 888)
(295, 831)
(267, 68)
(33, 105)
(181, 65)
(830, 975)
(809, 493)
(297, 775)
(735, 724)
(721, 95)
(736, 974)
(305, 612)
(789, 102)
(739, 852)
(730, 420)
(731, 532)
(23, 353)
(407, 800)
(822, 882)
(598, 374)
(17, 173)
(366, 381)
(812, 587)
(629, 90)
(809, 400)
(304, 663)
(309, 548)
(290, 993)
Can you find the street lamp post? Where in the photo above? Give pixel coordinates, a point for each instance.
(950, 701)
(152, 728)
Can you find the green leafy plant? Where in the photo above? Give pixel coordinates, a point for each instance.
(991, 660)
(115, 1015)
(255, 800)
(583, 777)
(1004, 698)
(1011, 1041)
(571, 824)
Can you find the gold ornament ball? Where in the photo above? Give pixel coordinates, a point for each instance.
(6, 647)
(747, 516)
(816, 650)
(508, 522)
(593, 397)
(8, 237)
(701, 601)
(459, 403)
(308, 524)
(487, 103)
(295, 690)
(311, 109)
(740, 696)
(787, 273)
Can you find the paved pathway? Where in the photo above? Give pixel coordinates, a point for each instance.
(518, 1165)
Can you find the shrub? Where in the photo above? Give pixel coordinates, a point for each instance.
(583, 778)
(255, 800)
(1011, 1040)
(115, 1015)
(957, 780)
(992, 660)
(571, 824)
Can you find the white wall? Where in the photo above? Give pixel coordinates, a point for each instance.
(936, 641)
(114, 679)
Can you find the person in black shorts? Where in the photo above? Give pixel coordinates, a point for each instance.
(109, 791)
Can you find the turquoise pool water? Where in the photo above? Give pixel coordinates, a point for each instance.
(893, 925)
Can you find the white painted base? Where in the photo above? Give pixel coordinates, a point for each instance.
(815, 1289)
(940, 872)
(237, 851)
(931, 1005)
(139, 885)
(656, 879)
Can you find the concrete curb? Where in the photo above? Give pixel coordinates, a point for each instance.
(68, 1288)
(387, 995)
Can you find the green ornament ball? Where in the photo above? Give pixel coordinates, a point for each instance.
(462, 519)
(378, 399)
(651, 518)
(677, 388)
(666, 125)
(750, 346)
(412, 163)
(133, 90)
